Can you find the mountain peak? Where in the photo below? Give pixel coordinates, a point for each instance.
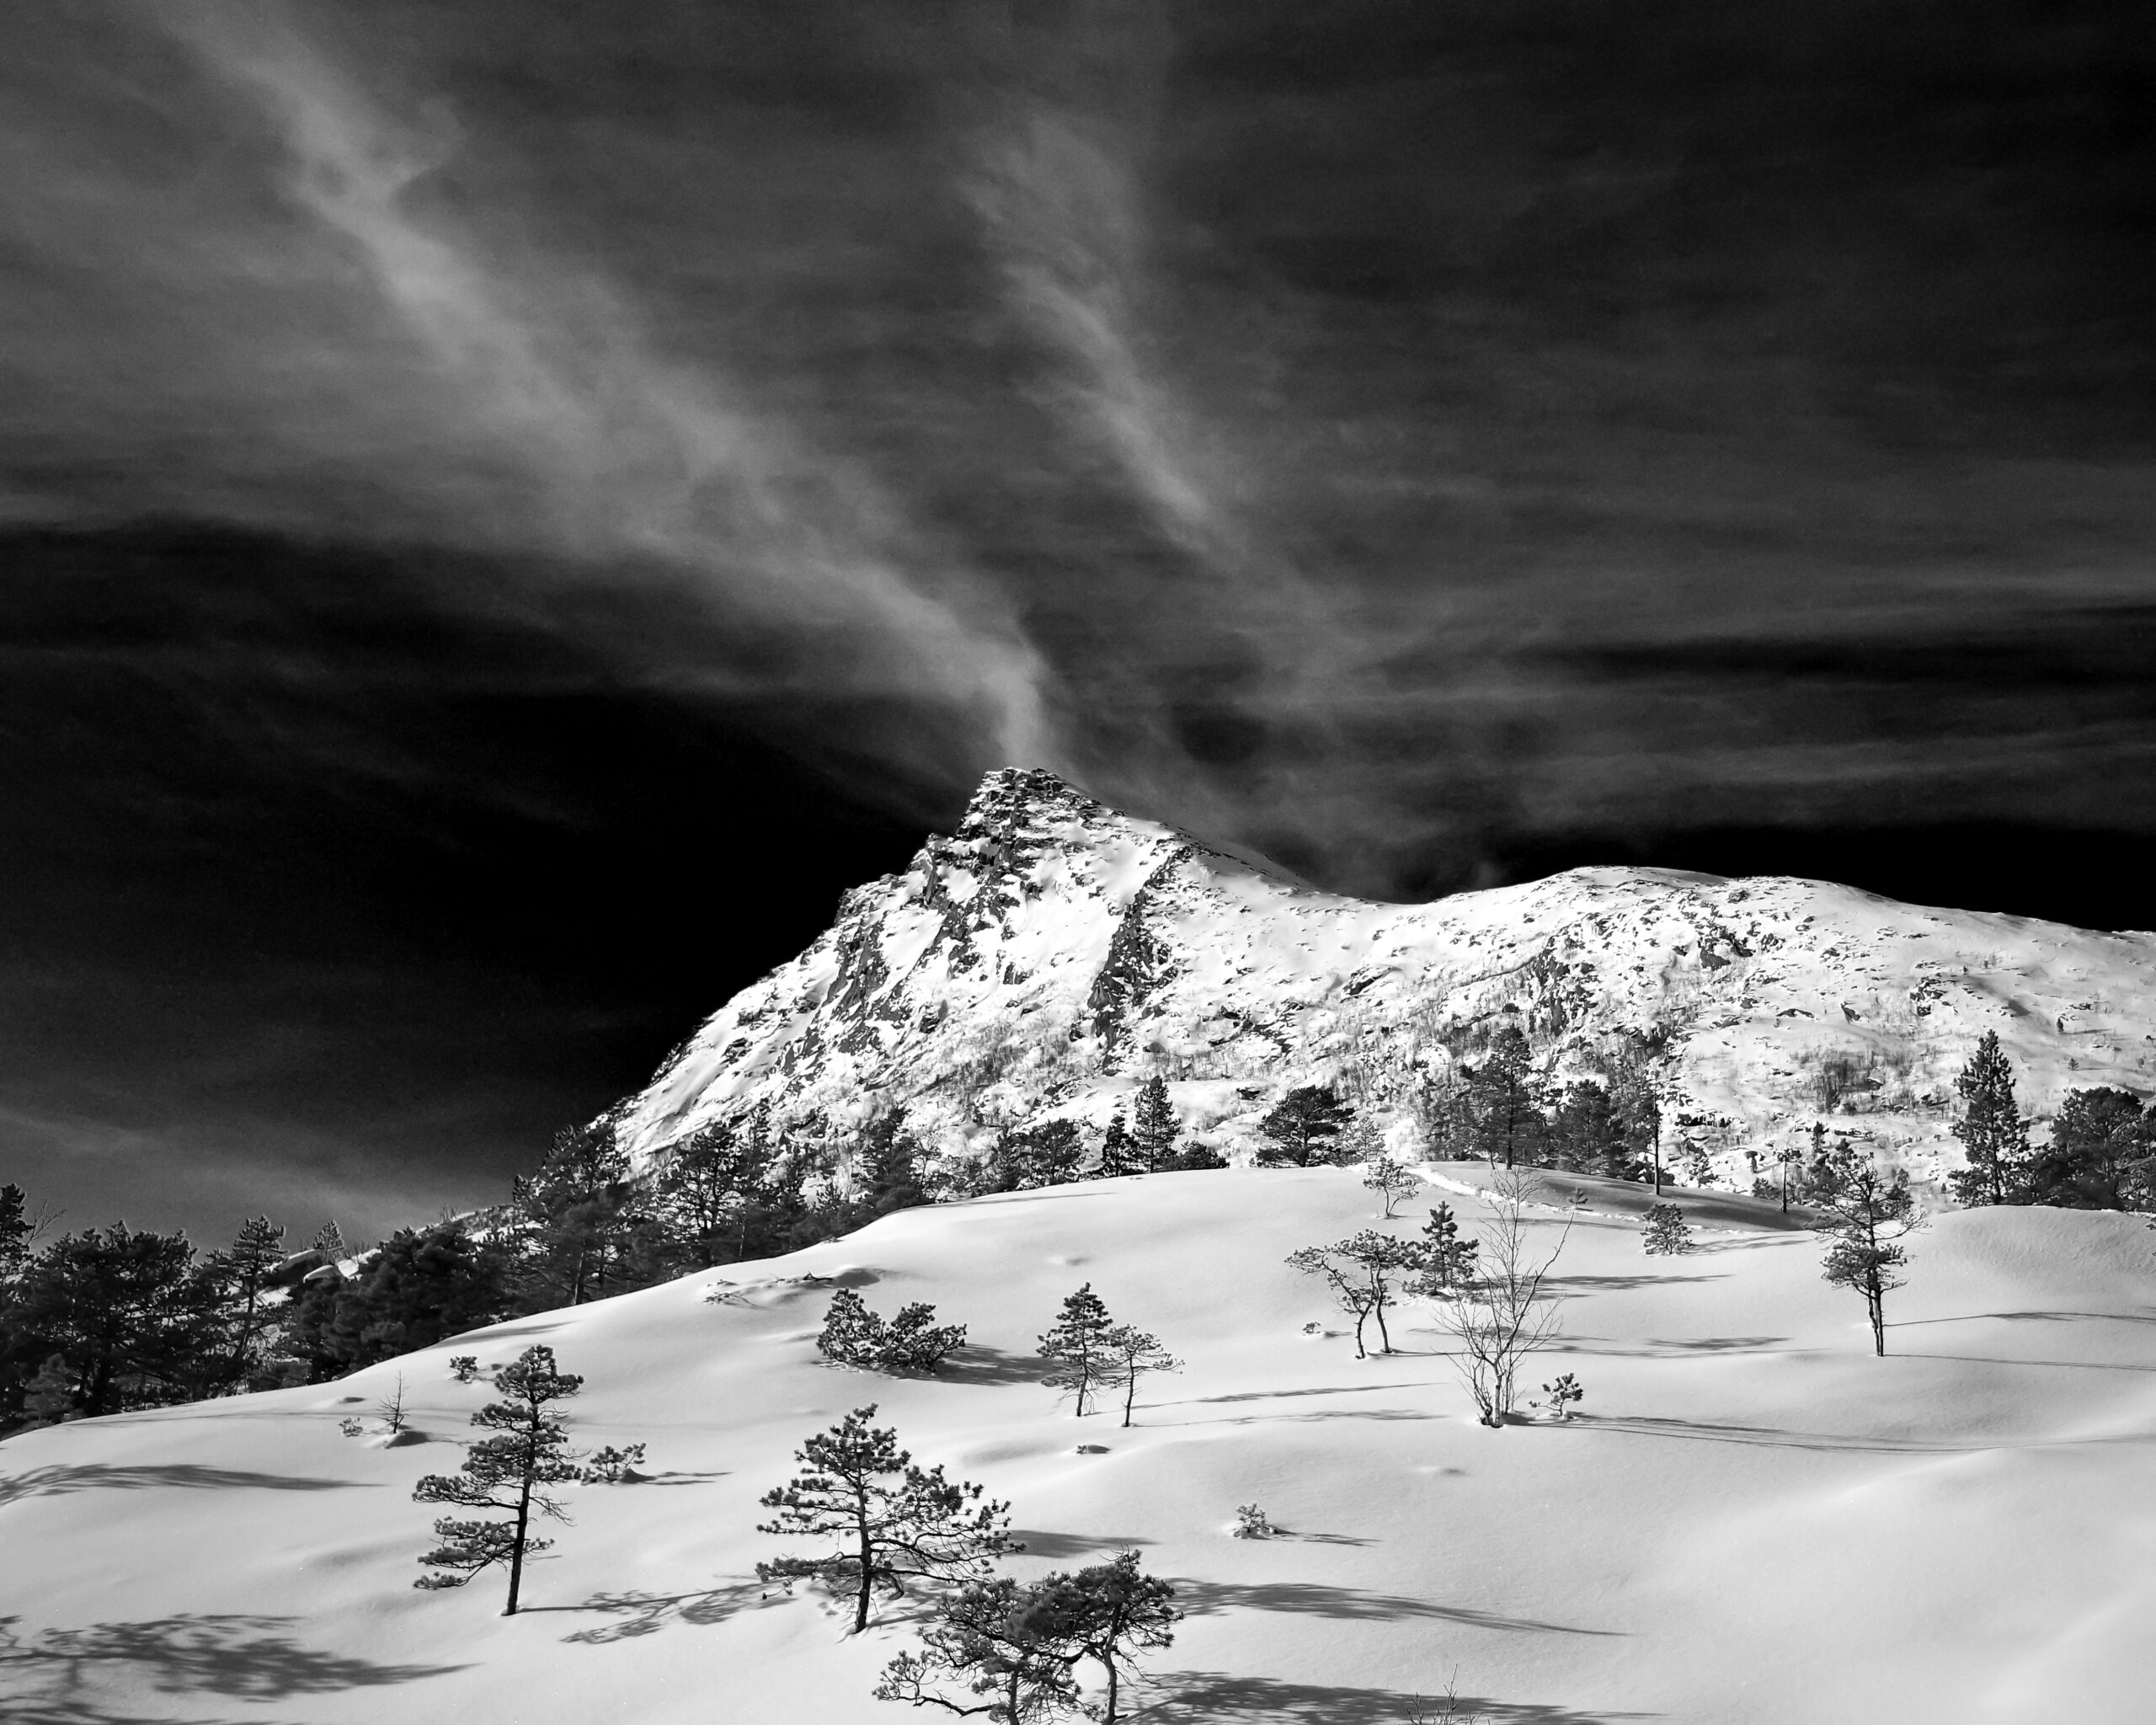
(1012, 799)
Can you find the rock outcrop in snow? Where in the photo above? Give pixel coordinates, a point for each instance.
(1053, 953)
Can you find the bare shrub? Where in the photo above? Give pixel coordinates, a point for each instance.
(1506, 1314)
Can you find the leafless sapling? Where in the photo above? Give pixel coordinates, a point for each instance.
(1507, 1313)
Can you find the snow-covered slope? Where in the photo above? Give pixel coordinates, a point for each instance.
(1053, 953)
(1756, 1524)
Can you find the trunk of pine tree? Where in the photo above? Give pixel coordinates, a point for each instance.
(866, 1597)
(1108, 1717)
(1875, 1298)
(516, 1548)
(1129, 1397)
(1384, 1336)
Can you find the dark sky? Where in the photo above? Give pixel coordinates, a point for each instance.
(504, 512)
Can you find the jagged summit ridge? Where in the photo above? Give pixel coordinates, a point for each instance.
(1052, 952)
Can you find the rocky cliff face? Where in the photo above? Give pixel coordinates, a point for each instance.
(1053, 953)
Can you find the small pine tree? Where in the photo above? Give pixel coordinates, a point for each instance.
(913, 1341)
(1361, 1272)
(1559, 1399)
(511, 1472)
(890, 1521)
(1076, 1345)
(1394, 1182)
(1132, 1355)
(329, 1241)
(852, 1332)
(1153, 1126)
(1195, 1157)
(1868, 1214)
(1667, 1233)
(1993, 1137)
(49, 1397)
(1447, 1260)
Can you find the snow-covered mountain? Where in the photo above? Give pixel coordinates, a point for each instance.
(1053, 953)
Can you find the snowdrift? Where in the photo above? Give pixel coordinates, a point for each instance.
(1755, 1520)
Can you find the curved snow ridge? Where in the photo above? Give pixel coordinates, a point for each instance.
(1053, 953)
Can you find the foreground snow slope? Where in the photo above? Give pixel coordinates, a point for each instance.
(1756, 1521)
(1053, 953)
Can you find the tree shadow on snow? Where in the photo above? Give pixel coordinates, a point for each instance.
(976, 1362)
(1069, 1545)
(57, 1481)
(1203, 1598)
(1657, 1348)
(1766, 1436)
(638, 1614)
(2116, 1317)
(1616, 1285)
(1199, 1697)
(252, 1658)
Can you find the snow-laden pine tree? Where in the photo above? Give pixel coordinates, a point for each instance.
(1667, 1234)
(887, 1522)
(1081, 1365)
(1993, 1137)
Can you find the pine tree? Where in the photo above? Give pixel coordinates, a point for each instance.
(1993, 1138)
(913, 1341)
(133, 1312)
(2099, 1139)
(1017, 1644)
(1447, 1260)
(1195, 1157)
(1302, 1126)
(1392, 1181)
(1583, 1134)
(511, 1473)
(1119, 1612)
(1667, 1234)
(1132, 1355)
(1503, 1101)
(890, 1521)
(15, 1231)
(1120, 1154)
(1362, 1271)
(1868, 1214)
(1076, 1345)
(256, 1251)
(579, 1211)
(1153, 1126)
(853, 1334)
(1636, 1114)
(886, 1167)
(329, 1241)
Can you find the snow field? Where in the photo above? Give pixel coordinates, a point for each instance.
(1755, 1520)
